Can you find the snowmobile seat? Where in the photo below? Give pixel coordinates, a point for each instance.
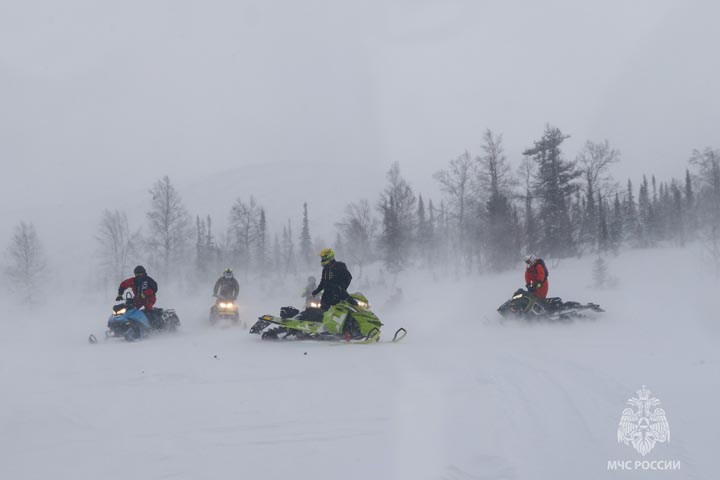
(553, 302)
(312, 315)
(288, 312)
(155, 317)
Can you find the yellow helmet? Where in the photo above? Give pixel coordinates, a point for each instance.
(327, 255)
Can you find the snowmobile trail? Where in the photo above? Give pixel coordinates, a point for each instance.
(463, 397)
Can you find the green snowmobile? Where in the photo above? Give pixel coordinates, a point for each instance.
(350, 320)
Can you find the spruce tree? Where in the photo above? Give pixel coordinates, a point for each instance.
(690, 217)
(261, 242)
(630, 216)
(645, 227)
(616, 225)
(278, 260)
(422, 239)
(306, 250)
(554, 184)
(391, 241)
(604, 236)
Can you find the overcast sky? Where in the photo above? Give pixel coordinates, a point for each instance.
(295, 101)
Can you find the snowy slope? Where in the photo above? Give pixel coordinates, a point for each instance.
(464, 396)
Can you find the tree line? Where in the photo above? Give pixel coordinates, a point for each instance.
(488, 214)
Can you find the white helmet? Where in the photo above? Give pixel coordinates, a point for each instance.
(530, 258)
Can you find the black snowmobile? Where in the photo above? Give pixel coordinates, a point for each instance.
(524, 304)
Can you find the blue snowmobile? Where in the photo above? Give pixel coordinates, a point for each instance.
(132, 324)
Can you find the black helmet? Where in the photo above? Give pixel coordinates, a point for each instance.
(139, 270)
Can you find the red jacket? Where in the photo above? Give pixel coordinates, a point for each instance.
(143, 289)
(535, 274)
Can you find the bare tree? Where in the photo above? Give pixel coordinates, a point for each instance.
(397, 206)
(116, 244)
(594, 161)
(169, 224)
(244, 229)
(359, 229)
(493, 172)
(496, 218)
(26, 263)
(455, 182)
(707, 163)
(526, 172)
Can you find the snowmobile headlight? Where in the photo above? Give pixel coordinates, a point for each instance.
(519, 295)
(363, 304)
(314, 305)
(119, 312)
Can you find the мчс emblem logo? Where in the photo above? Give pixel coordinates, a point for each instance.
(643, 426)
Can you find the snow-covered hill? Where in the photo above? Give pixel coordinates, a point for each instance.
(464, 396)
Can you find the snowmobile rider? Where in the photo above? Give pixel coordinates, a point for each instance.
(334, 281)
(144, 289)
(226, 286)
(536, 276)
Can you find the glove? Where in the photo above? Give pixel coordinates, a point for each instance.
(142, 295)
(119, 298)
(539, 284)
(315, 292)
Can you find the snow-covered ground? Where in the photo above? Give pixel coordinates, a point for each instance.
(464, 396)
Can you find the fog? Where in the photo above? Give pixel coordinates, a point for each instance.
(291, 101)
(465, 395)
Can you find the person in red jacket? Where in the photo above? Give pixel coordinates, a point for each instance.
(143, 288)
(536, 276)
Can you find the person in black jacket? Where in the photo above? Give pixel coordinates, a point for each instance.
(144, 288)
(334, 281)
(226, 286)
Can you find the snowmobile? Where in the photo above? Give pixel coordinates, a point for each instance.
(131, 323)
(350, 320)
(224, 309)
(524, 304)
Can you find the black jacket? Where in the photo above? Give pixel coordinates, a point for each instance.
(227, 288)
(334, 283)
